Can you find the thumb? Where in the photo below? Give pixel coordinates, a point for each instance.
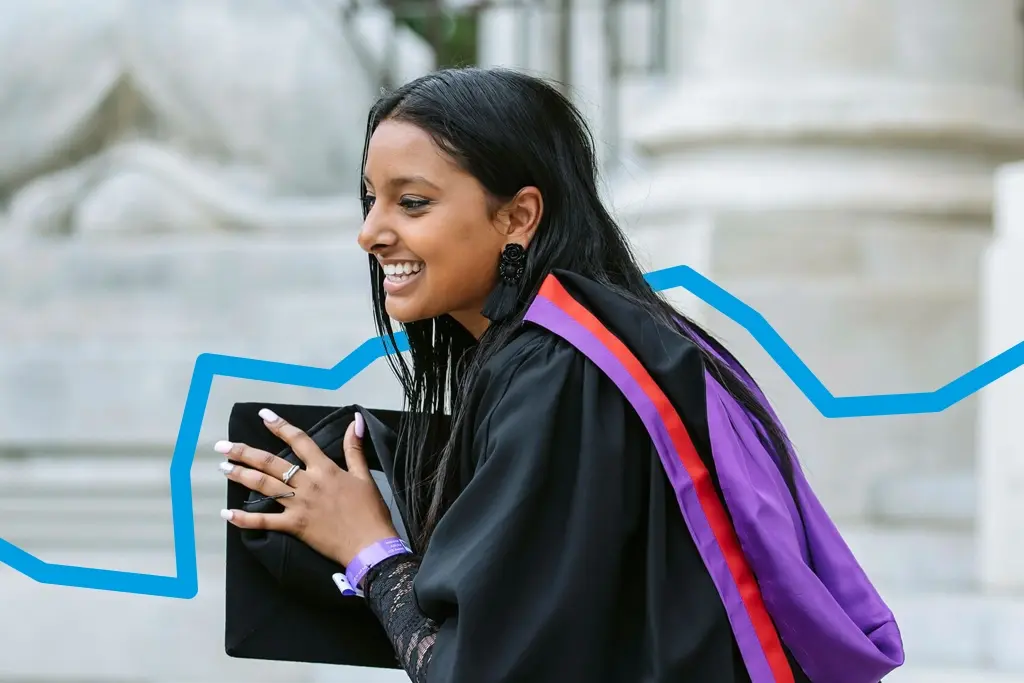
(355, 459)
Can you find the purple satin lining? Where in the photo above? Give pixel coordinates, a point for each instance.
(834, 622)
(832, 619)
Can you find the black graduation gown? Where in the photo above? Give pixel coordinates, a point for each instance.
(578, 548)
(565, 557)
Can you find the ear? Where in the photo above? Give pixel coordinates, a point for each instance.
(521, 216)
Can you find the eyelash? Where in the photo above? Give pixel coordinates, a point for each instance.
(405, 203)
(414, 204)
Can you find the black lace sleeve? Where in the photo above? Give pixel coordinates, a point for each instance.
(389, 593)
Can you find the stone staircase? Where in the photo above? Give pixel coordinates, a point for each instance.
(113, 512)
(97, 347)
(119, 502)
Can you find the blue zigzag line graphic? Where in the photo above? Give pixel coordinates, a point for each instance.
(185, 583)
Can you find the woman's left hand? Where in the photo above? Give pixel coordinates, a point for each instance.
(335, 512)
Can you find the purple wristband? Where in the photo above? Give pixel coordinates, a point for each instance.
(372, 555)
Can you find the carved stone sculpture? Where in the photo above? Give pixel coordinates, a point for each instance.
(175, 116)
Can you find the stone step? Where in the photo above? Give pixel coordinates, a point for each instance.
(108, 531)
(122, 638)
(106, 335)
(219, 269)
(105, 504)
(39, 538)
(915, 558)
(117, 501)
(115, 474)
(921, 675)
(110, 502)
(941, 499)
(960, 630)
(52, 506)
(141, 399)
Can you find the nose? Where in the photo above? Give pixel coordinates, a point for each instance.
(374, 235)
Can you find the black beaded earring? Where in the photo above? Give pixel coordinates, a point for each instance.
(502, 301)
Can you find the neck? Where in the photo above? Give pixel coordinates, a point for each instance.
(473, 321)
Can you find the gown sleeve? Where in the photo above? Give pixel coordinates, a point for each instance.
(537, 571)
(390, 595)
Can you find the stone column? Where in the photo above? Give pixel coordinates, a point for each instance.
(830, 163)
(608, 49)
(1001, 447)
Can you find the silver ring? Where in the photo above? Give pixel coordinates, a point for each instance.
(290, 473)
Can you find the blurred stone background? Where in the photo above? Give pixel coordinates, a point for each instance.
(178, 177)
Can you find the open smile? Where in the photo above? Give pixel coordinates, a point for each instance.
(398, 276)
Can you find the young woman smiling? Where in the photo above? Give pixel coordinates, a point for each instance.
(615, 501)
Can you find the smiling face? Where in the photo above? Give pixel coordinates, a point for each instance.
(433, 228)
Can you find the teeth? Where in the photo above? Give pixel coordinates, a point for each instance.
(402, 270)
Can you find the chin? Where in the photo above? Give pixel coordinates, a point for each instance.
(406, 312)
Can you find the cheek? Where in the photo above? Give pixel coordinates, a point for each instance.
(461, 266)
(462, 254)
(463, 275)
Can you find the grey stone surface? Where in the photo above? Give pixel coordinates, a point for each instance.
(929, 500)
(1001, 450)
(967, 630)
(184, 116)
(925, 675)
(56, 633)
(97, 344)
(105, 337)
(842, 185)
(925, 559)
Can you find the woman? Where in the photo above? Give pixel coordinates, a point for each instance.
(614, 500)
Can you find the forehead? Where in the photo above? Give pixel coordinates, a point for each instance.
(398, 148)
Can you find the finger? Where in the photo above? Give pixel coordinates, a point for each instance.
(257, 520)
(302, 445)
(355, 458)
(256, 459)
(258, 481)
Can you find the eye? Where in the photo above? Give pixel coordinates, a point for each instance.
(414, 203)
(367, 202)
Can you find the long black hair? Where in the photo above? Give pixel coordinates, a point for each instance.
(510, 130)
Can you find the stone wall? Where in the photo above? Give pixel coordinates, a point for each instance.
(97, 343)
(831, 164)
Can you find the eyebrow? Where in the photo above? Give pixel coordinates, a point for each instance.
(402, 181)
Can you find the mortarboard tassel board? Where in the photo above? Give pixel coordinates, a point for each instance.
(281, 602)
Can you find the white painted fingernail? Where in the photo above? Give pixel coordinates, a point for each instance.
(223, 446)
(360, 425)
(268, 415)
(226, 514)
(226, 467)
